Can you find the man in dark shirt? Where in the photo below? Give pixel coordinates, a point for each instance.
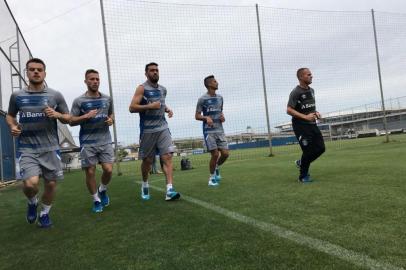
(302, 108)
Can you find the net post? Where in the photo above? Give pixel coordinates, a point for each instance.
(263, 81)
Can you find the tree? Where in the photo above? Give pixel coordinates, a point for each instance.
(121, 153)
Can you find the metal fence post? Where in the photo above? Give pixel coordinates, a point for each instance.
(110, 86)
(263, 82)
(385, 125)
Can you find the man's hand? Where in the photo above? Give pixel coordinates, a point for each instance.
(16, 130)
(91, 114)
(109, 121)
(209, 121)
(311, 117)
(318, 115)
(222, 119)
(154, 105)
(51, 113)
(169, 112)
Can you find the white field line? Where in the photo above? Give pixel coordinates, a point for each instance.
(342, 253)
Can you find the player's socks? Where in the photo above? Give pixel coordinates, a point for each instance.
(44, 209)
(33, 200)
(96, 197)
(217, 173)
(102, 187)
(145, 191)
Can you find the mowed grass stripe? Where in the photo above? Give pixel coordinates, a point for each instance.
(356, 258)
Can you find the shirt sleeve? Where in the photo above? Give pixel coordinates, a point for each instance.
(12, 106)
(61, 105)
(199, 106)
(292, 102)
(75, 110)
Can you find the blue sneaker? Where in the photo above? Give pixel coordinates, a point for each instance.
(213, 182)
(44, 221)
(145, 193)
(31, 213)
(97, 207)
(172, 195)
(305, 179)
(104, 198)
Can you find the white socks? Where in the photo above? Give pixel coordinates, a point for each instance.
(96, 197)
(45, 209)
(168, 187)
(145, 184)
(102, 187)
(33, 200)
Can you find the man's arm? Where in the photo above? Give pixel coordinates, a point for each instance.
(14, 127)
(306, 117)
(207, 119)
(61, 112)
(62, 117)
(135, 105)
(76, 120)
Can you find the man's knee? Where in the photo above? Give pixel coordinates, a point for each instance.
(166, 158)
(147, 161)
(215, 154)
(108, 168)
(225, 153)
(90, 171)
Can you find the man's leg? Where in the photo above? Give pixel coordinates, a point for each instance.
(215, 154)
(145, 169)
(92, 188)
(105, 156)
(222, 145)
(212, 167)
(107, 173)
(165, 148)
(223, 157)
(168, 167)
(105, 180)
(318, 144)
(171, 194)
(30, 189)
(304, 136)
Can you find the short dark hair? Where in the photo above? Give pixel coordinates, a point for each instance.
(207, 80)
(90, 70)
(35, 60)
(150, 64)
(299, 71)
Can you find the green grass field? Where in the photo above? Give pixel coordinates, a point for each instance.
(352, 217)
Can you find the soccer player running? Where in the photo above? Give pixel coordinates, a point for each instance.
(302, 108)
(149, 102)
(211, 105)
(93, 110)
(38, 108)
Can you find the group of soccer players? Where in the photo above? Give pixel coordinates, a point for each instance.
(38, 108)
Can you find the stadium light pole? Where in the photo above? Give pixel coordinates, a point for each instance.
(385, 124)
(106, 49)
(263, 82)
